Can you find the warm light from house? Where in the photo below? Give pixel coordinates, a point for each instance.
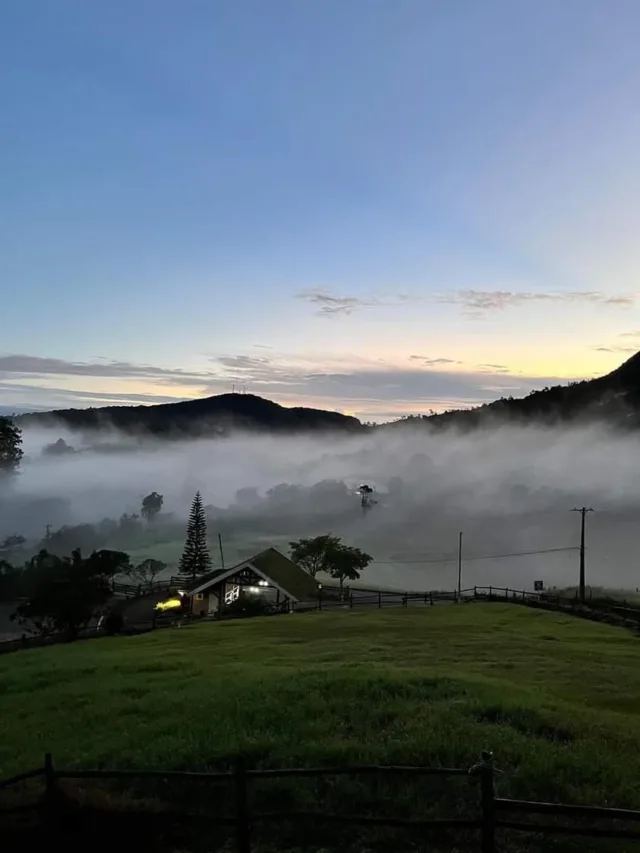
(169, 604)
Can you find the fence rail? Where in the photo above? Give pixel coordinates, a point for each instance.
(487, 821)
(626, 610)
(135, 590)
(331, 598)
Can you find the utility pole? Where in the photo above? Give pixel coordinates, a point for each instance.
(460, 565)
(221, 551)
(583, 514)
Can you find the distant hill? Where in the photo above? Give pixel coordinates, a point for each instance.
(209, 416)
(614, 399)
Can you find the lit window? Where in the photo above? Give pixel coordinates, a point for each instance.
(199, 596)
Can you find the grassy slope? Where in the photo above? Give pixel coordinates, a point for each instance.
(556, 698)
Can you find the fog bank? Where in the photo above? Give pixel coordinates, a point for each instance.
(508, 489)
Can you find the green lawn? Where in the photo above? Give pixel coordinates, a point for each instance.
(556, 698)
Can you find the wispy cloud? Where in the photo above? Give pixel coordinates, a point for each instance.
(37, 366)
(478, 302)
(426, 360)
(475, 303)
(615, 349)
(336, 382)
(328, 305)
(495, 368)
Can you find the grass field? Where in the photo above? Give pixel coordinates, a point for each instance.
(556, 698)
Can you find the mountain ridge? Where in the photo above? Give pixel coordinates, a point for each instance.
(614, 398)
(215, 415)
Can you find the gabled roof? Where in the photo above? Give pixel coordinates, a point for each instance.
(279, 571)
(203, 579)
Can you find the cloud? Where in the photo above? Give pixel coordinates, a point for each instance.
(37, 366)
(32, 396)
(328, 305)
(499, 368)
(335, 381)
(474, 302)
(480, 301)
(429, 361)
(614, 349)
(243, 362)
(635, 334)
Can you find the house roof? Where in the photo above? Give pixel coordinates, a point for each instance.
(203, 579)
(274, 567)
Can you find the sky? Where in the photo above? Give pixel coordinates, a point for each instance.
(373, 207)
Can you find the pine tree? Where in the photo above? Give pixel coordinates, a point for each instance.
(196, 559)
(10, 450)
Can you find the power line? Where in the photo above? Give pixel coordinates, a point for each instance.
(469, 559)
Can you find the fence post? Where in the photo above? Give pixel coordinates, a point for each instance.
(319, 598)
(379, 599)
(487, 803)
(404, 600)
(506, 593)
(351, 599)
(431, 599)
(490, 592)
(51, 793)
(475, 592)
(243, 836)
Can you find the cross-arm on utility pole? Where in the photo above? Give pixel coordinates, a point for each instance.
(583, 514)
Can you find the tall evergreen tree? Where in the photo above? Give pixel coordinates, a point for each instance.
(10, 450)
(196, 559)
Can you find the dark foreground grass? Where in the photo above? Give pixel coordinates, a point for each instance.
(557, 699)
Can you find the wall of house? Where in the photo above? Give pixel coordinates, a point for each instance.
(200, 603)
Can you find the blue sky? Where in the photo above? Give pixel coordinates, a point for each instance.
(362, 205)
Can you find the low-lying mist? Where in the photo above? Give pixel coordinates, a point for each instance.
(509, 490)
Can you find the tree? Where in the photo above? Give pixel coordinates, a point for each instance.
(66, 593)
(195, 559)
(151, 506)
(313, 554)
(347, 562)
(11, 579)
(11, 544)
(63, 541)
(58, 448)
(11, 451)
(248, 498)
(147, 571)
(128, 528)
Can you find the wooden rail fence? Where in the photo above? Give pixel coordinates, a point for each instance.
(492, 816)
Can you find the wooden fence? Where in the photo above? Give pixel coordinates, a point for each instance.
(332, 598)
(135, 590)
(626, 610)
(493, 812)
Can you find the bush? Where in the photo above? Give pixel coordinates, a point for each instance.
(248, 605)
(113, 623)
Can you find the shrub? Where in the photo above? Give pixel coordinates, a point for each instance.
(248, 605)
(113, 623)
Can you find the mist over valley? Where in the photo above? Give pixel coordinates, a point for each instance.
(508, 488)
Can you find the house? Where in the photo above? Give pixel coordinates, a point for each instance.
(269, 574)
